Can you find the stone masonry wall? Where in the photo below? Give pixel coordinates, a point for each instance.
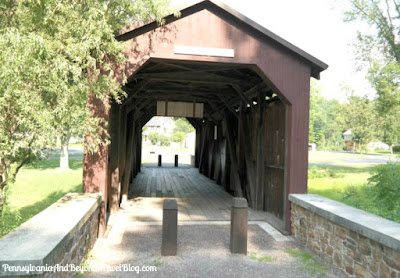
(78, 246)
(67, 231)
(355, 254)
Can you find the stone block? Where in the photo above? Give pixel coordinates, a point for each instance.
(336, 243)
(361, 271)
(384, 271)
(377, 254)
(391, 263)
(329, 250)
(337, 259)
(365, 249)
(349, 270)
(340, 232)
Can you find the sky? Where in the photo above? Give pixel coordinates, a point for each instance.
(317, 27)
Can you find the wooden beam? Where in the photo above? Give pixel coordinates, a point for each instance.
(229, 106)
(244, 97)
(189, 77)
(259, 201)
(114, 157)
(129, 142)
(122, 150)
(232, 154)
(203, 147)
(246, 146)
(132, 91)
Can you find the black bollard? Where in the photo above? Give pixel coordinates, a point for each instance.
(176, 160)
(169, 244)
(159, 160)
(239, 222)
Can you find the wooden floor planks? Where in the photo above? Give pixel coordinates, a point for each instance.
(198, 198)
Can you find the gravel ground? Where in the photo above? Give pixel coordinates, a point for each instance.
(203, 251)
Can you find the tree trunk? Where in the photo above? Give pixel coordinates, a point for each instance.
(391, 148)
(64, 156)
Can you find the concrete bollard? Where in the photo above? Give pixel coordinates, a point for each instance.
(159, 160)
(239, 222)
(169, 244)
(176, 160)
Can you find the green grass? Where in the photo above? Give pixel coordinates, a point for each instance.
(266, 258)
(157, 263)
(39, 185)
(338, 180)
(349, 185)
(308, 263)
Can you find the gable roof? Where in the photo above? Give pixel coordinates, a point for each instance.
(317, 66)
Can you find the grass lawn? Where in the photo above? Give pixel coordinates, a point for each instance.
(349, 185)
(38, 186)
(336, 180)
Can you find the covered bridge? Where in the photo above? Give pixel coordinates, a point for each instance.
(243, 88)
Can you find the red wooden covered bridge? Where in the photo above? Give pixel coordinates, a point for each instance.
(243, 88)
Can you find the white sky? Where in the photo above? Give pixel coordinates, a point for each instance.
(316, 26)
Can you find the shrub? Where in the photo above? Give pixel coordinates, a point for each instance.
(386, 179)
(315, 172)
(164, 140)
(154, 138)
(178, 137)
(396, 149)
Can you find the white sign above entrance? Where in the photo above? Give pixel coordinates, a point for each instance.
(204, 51)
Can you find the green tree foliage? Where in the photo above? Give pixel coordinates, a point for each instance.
(164, 140)
(326, 121)
(154, 138)
(362, 119)
(157, 138)
(182, 125)
(54, 55)
(379, 50)
(386, 191)
(178, 137)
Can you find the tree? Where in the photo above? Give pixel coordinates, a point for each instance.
(54, 55)
(362, 119)
(182, 125)
(379, 50)
(326, 120)
(178, 137)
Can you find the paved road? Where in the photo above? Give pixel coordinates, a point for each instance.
(345, 158)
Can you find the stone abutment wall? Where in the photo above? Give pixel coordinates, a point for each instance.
(359, 243)
(54, 242)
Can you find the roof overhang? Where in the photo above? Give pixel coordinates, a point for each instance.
(317, 66)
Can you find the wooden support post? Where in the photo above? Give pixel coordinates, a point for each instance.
(203, 169)
(122, 151)
(246, 146)
(241, 149)
(128, 165)
(138, 148)
(259, 200)
(114, 157)
(169, 244)
(198, 147)
(239, 223)
(232, 153)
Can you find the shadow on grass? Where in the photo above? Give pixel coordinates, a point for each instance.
(14, 218)
(48, 164)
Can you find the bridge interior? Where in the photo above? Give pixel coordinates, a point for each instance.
(240, 132)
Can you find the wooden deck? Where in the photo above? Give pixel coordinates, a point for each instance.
(198, 198)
